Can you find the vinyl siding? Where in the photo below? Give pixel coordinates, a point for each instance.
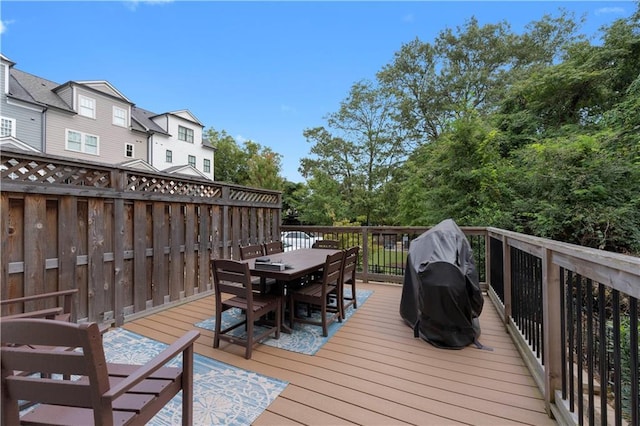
(28, 117)
(112, 138)
(28, 121)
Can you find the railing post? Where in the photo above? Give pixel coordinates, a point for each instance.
(487, 259)
(551, 320)
(365, 254)
(506, 278)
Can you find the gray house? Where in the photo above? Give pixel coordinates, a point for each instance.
(21, 116)
(92, 120)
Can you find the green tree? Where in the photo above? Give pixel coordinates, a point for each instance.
(250, 165)
(360, 158)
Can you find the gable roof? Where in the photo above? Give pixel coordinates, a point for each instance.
(15, 143)
(143, 118)
(185, 114)
(186, 170)
(104, 87)
(139, 164)
(39, 89)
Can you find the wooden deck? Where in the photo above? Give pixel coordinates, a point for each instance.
(373, 371)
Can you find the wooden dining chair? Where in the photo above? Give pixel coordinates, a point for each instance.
(103, 393)
(231, 277)
(273, 247)
(317, 294)
(327, 244)
(253, 251)
(349, 266)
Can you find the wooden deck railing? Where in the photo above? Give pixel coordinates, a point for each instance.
(572, 311)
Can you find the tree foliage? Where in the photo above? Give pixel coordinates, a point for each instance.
(537, 132)
(250, 165)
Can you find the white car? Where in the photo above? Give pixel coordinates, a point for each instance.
(293, 240)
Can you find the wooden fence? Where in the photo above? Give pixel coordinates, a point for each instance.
(129, 240)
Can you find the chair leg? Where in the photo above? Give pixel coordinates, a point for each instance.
(249, 341)
(216, 333)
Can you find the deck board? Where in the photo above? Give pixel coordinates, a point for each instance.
(374, 372)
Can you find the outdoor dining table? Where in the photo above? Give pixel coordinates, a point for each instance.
(299, 264)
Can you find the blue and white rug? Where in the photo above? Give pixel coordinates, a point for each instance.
(305, 338)
(223, 394)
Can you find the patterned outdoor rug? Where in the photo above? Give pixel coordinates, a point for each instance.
(306, 338)
(224, 395)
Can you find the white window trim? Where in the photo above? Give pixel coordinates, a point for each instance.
(186, 134)
(13, 125)
(206, 162)
(82, 142)
(195, 160)
(168, 151)
(114, 117)
(93, 111)
(133, 150)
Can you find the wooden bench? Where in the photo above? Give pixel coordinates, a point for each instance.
(103, 394)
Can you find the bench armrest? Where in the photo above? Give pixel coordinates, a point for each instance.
(183, 344)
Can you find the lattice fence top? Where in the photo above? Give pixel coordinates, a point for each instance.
(252, 196)
(31, 170)
(140, 183)
(28, 168)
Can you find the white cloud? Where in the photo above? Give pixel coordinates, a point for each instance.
(610, 10)
(408, 18)
(4, 26)
(133, 4)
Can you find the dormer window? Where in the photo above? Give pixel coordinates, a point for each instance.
(86, 106)
(185, 134)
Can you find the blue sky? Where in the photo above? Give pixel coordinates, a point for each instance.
(263, 71)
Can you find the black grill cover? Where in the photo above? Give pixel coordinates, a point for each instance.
(441, 296)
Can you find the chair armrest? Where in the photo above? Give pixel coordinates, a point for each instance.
(39, 296)
(181, 345)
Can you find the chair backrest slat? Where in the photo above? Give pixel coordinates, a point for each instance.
(273, 247)
(251, 251)
(350, 263)
(51, 350)
(327, 244)
(232, 277)
(332, 269)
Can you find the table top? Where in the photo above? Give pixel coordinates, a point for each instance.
(299, 263)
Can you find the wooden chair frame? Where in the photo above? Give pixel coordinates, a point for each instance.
(58, 305)
(318, 293)
(104, 394)
(349, 265)
(327, 244)
(233, 277)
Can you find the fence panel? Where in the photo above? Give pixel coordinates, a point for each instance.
(128, 248)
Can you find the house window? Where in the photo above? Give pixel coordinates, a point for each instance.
(119, 116)
(206, 165)
(7, 127)
(128, 150)
(86, 106)
(168, 156)
(192, 160)
(82, 142)
(185, 134)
